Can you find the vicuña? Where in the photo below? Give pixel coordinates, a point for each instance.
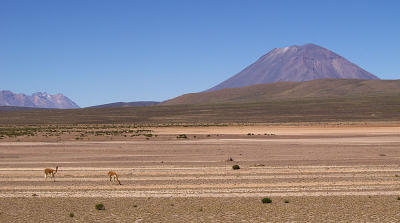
(112, 174)
(50, 172)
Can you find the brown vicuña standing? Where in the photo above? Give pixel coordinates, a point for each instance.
(112, 174)
(50, 172)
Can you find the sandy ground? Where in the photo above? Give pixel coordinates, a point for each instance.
(327, 174)
(303, 129)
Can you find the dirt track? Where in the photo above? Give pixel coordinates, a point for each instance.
(320, 164)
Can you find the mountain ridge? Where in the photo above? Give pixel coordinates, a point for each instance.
(126, 104)
(36, 100)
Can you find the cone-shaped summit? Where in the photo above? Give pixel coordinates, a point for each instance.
(296, 63)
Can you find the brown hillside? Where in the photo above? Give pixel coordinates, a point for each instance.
(322, 88)
(344, 109)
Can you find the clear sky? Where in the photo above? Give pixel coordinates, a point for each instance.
(98, 52)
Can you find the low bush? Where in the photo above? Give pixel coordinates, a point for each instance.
(266, 200)
(236, 167)
(182, 136)
(100, 207)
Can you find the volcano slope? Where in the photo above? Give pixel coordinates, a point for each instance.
(312, 173)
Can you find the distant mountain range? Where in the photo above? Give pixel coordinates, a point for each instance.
(36, 100)
(283, 73)
(296, 64)
(127, 104)
(322, 88)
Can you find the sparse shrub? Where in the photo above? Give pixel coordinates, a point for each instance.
(201, 209)
(398, 198)
(135, 206)
(286, 201)
(230, 159)
(266, 200)
(100, 207)
(236, 167)
(182, 136)
(71, 215)
(396, 175)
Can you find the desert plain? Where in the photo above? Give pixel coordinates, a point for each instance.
(311, 172)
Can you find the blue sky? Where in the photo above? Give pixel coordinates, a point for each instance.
(98, 52)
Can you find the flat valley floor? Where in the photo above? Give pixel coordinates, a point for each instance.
(311, 173)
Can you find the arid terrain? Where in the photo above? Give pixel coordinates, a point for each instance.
(312, 172)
